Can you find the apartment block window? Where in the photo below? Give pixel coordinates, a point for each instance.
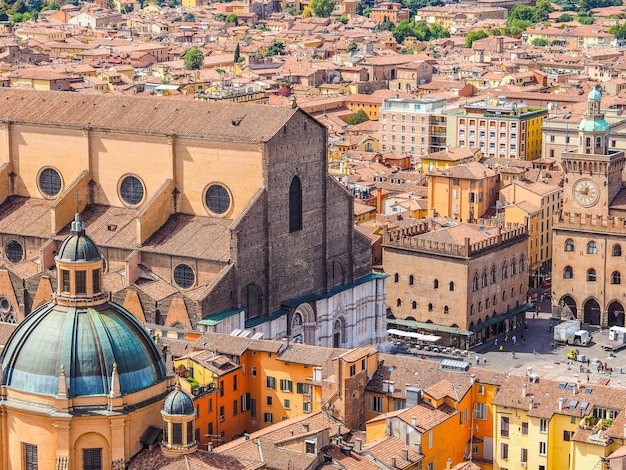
(504, 426)
(268, 418)
(303, 388)
(543, 425)
(480, 411)
(235, 407)
(269, 401)
(30, 457)
(286, 385)
(375, 404)
(270, 382)
(253, 371)
(221, 413)
(352, 370)
(234, 383)
(286, 404)
(525, 429)
(524, 456)
(567, 435)
(504, 451)
(481, 389)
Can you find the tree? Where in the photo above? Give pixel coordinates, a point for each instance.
(564, 18)
(352, 47)
(193, 59)
(232, 18)
(357, 118)
(584, 19)
(322, 8)
(618, 30)
(473, 36)
(386, 25)
(307, 12)
(276, 48)
(342, 20)
(539, 42)
(237, 56)
(189, 17)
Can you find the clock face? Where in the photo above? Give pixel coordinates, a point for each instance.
(586, 192)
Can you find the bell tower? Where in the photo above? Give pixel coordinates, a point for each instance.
(593, 172)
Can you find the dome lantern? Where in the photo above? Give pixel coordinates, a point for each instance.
(79, 269)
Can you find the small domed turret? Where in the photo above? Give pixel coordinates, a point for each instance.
(178, 403)
(78, 246)
(179, 415)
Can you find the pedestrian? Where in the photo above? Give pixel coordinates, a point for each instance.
(587, 362)
(485, 361)
(525, 325)
(534, 315)
(501, 348)
(514, 338)
(506, 338)
(477, 360)
(496, 342)
(587, 378)
(513, 354)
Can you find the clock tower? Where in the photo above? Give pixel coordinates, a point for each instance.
(593, 173)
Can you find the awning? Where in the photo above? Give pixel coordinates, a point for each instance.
(417, 336)
(500, 318)
(430, 327)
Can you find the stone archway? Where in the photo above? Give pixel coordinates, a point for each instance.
(592, 312)
(303, 324)
(615, 314)
(568, 307)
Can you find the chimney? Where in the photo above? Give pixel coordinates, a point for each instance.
(414, 421)
(523, 390)
(305, 427)
(358, 445)
(379, 201)
(405, 454)
(385, 386)
(393, 462)
(392, 387)
(559, 402)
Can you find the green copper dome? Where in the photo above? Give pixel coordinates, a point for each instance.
(593, 125)
(594, 94)
(87, 342)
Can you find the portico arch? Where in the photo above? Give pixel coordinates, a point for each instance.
(568, 307)
(615, 314)
(592, 312)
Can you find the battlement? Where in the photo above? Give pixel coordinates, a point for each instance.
(408, 238)
(576, 221)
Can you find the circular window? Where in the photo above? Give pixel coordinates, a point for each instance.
(50, 182)
(217, 199)
(14, 251)
(184, 276)
(131, 190)
(5, 305)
